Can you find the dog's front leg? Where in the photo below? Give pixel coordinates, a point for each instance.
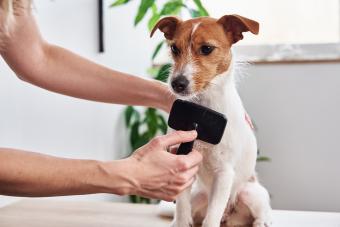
(183, 216)
(218, 196)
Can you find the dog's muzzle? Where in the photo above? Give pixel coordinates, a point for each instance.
(180, 84)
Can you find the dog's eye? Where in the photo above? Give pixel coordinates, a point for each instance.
(175, 50)
(206, 50)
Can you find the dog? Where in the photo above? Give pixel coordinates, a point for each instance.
(226, 189)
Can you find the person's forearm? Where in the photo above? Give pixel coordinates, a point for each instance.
(69, 74)
(62, 71)
(32, 174)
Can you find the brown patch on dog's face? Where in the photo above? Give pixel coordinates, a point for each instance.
(200, 49)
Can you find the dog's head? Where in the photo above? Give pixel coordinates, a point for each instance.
(200, 48)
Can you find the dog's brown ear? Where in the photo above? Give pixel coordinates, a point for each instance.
(168, 26)
(236, 24)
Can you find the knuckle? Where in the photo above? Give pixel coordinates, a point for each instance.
(182, 189)
(178, 190)
(171, 198)
(122, 192)
(182, 179)
(157, 141)
(181, 164)
(168, 199)
(185, 165)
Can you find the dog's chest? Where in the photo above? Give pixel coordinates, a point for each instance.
(216, 157)
(218, 100)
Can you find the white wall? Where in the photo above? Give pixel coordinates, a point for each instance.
(294, 106)
(277, 28)
(296, 109)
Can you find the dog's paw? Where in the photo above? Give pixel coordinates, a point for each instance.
(187, 223)
(211, 224)
(181, 225)
(262, 223)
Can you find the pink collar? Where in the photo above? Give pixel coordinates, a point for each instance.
(248, 120)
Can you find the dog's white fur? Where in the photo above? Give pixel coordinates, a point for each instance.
(226, 188)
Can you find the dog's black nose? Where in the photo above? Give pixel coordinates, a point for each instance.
(180, 84)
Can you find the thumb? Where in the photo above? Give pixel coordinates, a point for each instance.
(177, 137)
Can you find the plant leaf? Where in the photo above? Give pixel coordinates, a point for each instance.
(158, 48)
(133, 198)
(163, 72)
(134, 134)
(151, 121)
(153, 71)
(128, 115)
(131, 115)
(153, 20)
(138, 199)
(143, 9)
(172, 7)
(201, 9)
(162, 124)
(194, 13)
(263, 159)
(119, 2)
(142, 140)
(146, 200)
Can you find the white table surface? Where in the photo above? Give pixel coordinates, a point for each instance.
(282, 218)
(56, 213)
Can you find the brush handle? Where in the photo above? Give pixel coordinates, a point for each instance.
(186, 148)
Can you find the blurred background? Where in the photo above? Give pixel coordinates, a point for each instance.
(290, 89)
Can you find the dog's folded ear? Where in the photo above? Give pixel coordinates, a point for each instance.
(168, 26)
(236, 24)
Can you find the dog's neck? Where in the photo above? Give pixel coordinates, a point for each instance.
(222, 95)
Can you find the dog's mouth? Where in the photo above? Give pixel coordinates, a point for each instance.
(186, 88)
(187, 94)
(183, 94)
(189, 81)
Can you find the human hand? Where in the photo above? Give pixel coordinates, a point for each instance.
(162, 175)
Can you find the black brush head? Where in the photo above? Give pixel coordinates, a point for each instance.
(209, 124)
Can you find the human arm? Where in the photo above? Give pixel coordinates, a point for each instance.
(150, 172)
(59, 70)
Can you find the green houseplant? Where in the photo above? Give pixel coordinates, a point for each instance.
(145, 123)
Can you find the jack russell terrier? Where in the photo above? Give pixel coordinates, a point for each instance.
(226, 189)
